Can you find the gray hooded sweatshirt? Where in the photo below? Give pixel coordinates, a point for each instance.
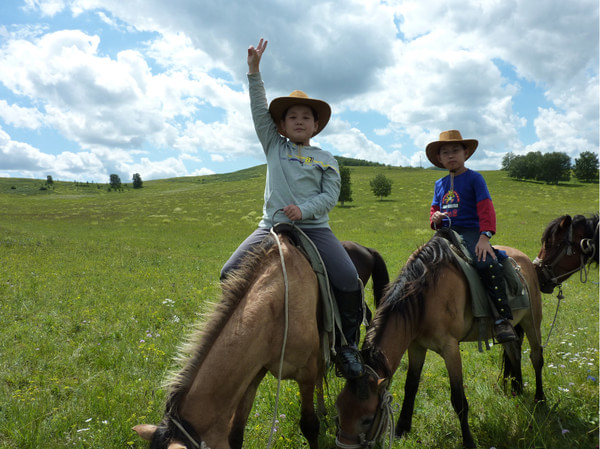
(308, 177)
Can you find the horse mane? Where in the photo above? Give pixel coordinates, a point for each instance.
(193, 353)
(405, 297)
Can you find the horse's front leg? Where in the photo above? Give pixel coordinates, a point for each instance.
(451, 355)
(309, 422)
(416, 359)
(537, 360)
(240, 418)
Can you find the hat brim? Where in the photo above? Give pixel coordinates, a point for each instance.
(280, 105)
(432, 150)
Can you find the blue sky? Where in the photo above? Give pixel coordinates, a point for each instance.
(94, 87)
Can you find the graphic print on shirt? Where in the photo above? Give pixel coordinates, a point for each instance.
(450, 203)
(309, 161)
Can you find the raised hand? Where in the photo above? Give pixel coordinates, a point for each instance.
(254, 55)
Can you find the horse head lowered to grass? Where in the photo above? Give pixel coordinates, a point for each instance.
(429, 307)
(568, 244)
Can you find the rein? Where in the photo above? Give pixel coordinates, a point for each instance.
(285, 335)
(383, 421)
(560, 297)
(202, 444)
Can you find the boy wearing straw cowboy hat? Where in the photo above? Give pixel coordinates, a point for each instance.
(462, 200)
(304, 182)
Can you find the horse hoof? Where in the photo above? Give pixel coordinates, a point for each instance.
(401, 432)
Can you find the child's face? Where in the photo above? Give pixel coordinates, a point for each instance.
(452, 156)
(299, 124)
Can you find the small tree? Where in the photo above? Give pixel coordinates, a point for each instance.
(381, 186)
(346, 186)
(555, 167)
(507, 160)
(49, 180)
(586, 167)
(137, 181)
(115, 182)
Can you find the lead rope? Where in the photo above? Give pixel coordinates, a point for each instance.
(560, 297)
(285, 335)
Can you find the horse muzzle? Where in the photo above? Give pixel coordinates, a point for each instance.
(545, 274)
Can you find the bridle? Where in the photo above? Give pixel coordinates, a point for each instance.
(193, 442)
(383, 421)
(567, 248)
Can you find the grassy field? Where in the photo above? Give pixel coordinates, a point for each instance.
(98, 289)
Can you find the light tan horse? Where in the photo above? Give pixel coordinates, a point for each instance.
(428, 307)
(210, 399)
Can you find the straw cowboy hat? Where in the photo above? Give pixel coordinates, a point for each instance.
(451, 136)
(280, 105)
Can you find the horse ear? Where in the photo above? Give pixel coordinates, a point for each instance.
(383, 384)
(566, 221)
(145, 431)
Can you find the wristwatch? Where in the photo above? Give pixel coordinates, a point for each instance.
(488, 234)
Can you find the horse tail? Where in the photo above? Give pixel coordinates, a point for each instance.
(380, 276)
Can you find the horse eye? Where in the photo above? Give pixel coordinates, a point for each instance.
(366, 423)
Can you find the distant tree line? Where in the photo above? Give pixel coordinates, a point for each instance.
(351, 162)
(114, 183)
(551, 168)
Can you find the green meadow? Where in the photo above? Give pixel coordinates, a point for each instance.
(99, 289)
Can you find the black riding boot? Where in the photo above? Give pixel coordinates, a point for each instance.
(493, 278)
(348, 361)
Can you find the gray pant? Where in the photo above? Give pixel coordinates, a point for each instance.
(340, 269)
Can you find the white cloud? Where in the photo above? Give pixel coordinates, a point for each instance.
(46, 7)
(180, 88)
(20, 117)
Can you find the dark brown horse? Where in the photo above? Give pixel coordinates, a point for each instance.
(428, 307)
(369, 264)
(210, 398)
(568, 244)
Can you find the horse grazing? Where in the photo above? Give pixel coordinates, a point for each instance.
(429, 306)
(209, 400)
(369, 264)
(568, 244)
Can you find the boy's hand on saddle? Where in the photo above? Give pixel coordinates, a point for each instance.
(254, 55)
(293, 212)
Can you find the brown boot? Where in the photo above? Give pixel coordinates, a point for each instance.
(504, 331)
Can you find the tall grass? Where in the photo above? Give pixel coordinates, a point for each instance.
(98, 290)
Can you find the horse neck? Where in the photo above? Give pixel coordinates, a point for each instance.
(394, 340)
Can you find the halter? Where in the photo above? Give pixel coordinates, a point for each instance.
(195, 444)
(383, 421)
(588, 251)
